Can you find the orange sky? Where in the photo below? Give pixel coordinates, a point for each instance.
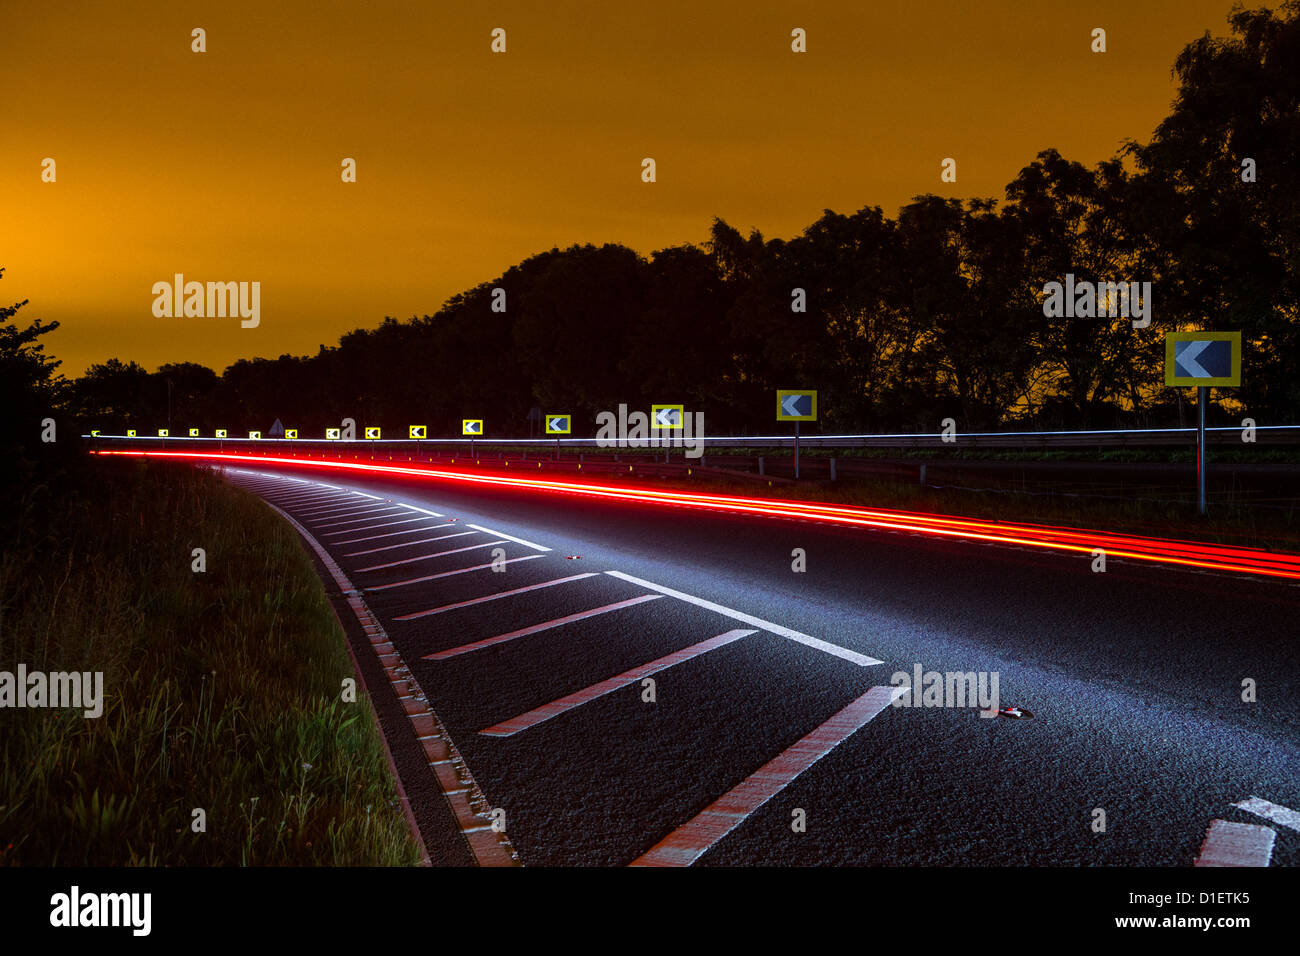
(225, 165)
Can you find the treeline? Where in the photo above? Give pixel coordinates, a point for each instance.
(936, 313)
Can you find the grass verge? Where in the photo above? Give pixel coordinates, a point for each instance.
(222, 688)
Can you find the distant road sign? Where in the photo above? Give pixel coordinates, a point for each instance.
(471, 426)
(254, 434)
(194, 433)
(796, 405)
(1203, 358)
(291, 433)
(334, 434)
(559, 424)
(277, 429)
(419, 431)
(372, 432)
(130, 433)
(162, 433)
(667, 416)
(222, 433)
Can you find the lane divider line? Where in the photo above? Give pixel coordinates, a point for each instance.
(407, 544)
(339, 511)
(448, 574)
(537, 628)
(373, 527)
(508, 537)
(430, 557)
(494, 597)
(693, 839)
(459, 789)
(424, 511)
(392, 534)
(387, 511)
(862, 660)
(556, 707)
(1284, 816)
(1236, 844)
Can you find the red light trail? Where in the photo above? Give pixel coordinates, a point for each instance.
(1190, 554)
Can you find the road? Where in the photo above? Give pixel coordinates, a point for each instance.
(770, 738)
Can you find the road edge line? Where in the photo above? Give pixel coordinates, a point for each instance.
(456, 782)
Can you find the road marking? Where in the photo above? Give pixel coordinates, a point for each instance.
(371, 513)
(374, 526)
(449, 770)
(1271, 811)
(1236, 844)
(364, 495)
(409, 544)
(350, 507)
(536, 628)
(493, 597)
(508, 537)
(690, 841)
(534, 717)
(393, 534)
(862, 660)
(291, 499)
(447, 574)
(430, 557)
(424, 511)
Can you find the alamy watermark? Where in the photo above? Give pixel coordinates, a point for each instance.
(215, 300)
(77, 689)
(1098, 300)
(666, 426)
(924, 688)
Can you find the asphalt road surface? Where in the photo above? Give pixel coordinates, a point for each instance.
(768, 735)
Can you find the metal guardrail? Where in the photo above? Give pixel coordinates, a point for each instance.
(1113, 438)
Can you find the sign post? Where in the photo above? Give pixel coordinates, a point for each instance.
(796, 405)
(667, 417)
(473, 427)
(558, 425)
(1203, 359)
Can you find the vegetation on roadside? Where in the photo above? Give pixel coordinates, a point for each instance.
(222, 688)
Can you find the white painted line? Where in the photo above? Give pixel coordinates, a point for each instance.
(451, 774)
(394, 534)
(423, 511)
(408, 544)
(508, 537)
(375, 526)
(448, 574)
(1236, 844)
(429, 557)
(1271, 811)
(364, 495)
(691, 840)
(314, 510)
(347, 507)
(494, 597)
(294, 498)
(351, 511)
(371, 513)
(537, 628)
(862, 660)
(534, 717)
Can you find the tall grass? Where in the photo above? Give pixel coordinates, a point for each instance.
(222, 688)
